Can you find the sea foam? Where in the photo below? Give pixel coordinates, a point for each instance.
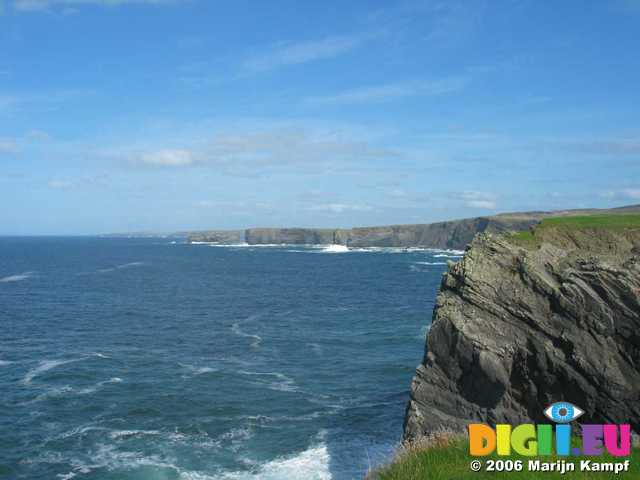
(257, 339)
(121, 267)
(16, 278)
(44, 366)
(336, 249)
(47, 365)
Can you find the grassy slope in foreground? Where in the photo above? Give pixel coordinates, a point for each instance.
(449, 459)
(603, 221)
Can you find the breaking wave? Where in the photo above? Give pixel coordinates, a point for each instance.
(311, 464)
(16, 278)
(282, 383)
(257, 339)
(121, 267)
(336, 249)
(47, 365)
(44, 366)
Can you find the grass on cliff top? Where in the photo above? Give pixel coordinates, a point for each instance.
(448, 459)
(611, 222)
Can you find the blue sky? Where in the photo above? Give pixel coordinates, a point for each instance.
(130, 115)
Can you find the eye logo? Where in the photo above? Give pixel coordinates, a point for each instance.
(563, 412)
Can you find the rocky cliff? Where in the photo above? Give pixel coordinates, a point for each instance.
(223, 237)
(523, 321)
(293, 236)
(454, 234)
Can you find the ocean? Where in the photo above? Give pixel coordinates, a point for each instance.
(125, 358)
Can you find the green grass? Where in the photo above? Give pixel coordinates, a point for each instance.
(610, 222)
(451, 461)
(593, 221)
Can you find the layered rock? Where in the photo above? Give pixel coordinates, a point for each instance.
(223, 237)
(292, 236)
(517, 327)
(454, 234)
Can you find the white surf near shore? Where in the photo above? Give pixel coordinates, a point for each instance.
(311, 464)
(335, 249)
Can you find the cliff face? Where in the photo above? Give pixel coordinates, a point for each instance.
(295, 236)
(517, 327)
(454, 234)
(218, 236)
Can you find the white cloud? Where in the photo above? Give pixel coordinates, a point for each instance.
(297, 53)
(391, 91)
(398, 193)
(632, 193)
(38, 136)
(65, 183)
(340, 208)
(490, 204)
(23, 100)
(168, 158)
(39, 5)
(481, 200)
(7, 146)
(60, 184)
(251, 153)
(624, 194)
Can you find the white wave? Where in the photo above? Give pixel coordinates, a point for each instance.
(445, 251)
(109, 458)
(69, 390)
(16, 278)
(116, 434)
(198, 370)
(283, 382)
(424, 331)
(311, 464)
(445, 255)
(230, 245)
(430, 263)
(45, 366)
(99, 385)
(257, 339)
(121, 267)
(237, 435)
(336, 249)
(389, 249)
(241, 245)
(201, 370)
(66, 476)
(4, 363)
(81, 430)
(52, 393)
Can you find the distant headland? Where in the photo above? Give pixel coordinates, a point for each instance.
(453, 234)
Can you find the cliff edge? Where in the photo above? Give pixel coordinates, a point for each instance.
(524, 320)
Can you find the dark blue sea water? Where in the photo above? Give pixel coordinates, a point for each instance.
(147, 359)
